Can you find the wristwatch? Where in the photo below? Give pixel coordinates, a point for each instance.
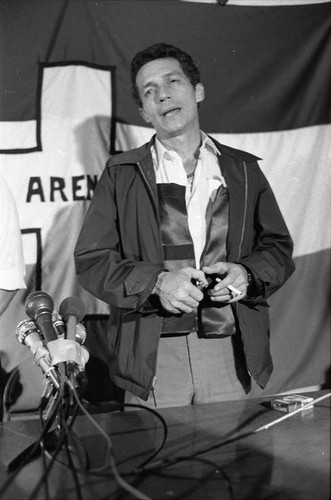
(254, 286)
(250, 279)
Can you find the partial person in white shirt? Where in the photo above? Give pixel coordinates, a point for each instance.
(12, 267)
(12, 277)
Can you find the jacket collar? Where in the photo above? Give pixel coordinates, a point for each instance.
(132, 156)
(235, 153)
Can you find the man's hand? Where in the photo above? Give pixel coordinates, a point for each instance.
(235, 280)
(176, 291)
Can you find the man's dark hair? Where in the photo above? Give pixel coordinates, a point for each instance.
(161, 51)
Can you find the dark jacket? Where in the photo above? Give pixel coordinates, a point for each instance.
(118, 257)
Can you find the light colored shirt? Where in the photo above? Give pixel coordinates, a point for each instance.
(12, 268)
(169, 168)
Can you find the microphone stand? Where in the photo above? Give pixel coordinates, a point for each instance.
(56, 432)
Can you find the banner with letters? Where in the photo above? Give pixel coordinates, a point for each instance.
(65, 106)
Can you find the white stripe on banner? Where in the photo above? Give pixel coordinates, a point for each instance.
(53, 187)
(18, 135)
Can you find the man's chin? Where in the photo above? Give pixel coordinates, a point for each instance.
(172, 130)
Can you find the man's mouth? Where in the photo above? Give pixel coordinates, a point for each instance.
(170, 112)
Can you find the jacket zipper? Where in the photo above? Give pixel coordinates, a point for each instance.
(242, 237)
(149, 187)
(243, 224)
(245, 213)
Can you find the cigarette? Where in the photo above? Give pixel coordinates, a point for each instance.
(234, 290)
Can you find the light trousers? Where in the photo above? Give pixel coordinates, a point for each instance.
(193, 370)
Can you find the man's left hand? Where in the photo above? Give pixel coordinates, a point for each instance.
(232, 287)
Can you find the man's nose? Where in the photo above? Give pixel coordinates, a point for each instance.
(163, 93)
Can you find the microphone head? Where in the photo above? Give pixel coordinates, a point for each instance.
(58, 324)
(25, 328)
(37, 303)
(80, 333)
(57, 319)
(72, 306)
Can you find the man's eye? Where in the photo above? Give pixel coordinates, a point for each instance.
(149, 91)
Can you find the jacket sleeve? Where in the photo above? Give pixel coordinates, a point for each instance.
(101, 267)
(267, 251)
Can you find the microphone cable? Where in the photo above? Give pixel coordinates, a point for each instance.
(95, 424)
(165, 431)
(6, 391)
(110, 459)
(16, 465)
(109, 454)
(67, 426)
(62, 442)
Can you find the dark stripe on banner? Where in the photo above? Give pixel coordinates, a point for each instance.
(264, 68)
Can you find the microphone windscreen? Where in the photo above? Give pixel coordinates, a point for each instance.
(72, 306)
(24, 328)
(38, 302)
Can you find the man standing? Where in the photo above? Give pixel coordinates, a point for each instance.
(185, 241)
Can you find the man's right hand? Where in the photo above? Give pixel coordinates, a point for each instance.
(176, 290)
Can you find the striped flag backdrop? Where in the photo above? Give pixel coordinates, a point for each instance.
(66, 105)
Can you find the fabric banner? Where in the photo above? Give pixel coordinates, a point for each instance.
(66, 105)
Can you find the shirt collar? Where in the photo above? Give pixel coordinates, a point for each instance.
(207, 143)
(159, 152)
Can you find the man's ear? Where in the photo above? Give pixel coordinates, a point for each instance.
(199, 92)
(143, 114)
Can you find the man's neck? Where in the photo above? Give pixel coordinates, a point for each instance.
(187, 147)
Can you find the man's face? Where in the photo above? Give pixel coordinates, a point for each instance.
(169, 100)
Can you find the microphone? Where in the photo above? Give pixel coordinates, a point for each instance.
(60, 329)
(58, 324)
(39, 306)
(80, 333)
(72, 310)
(27, 334)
